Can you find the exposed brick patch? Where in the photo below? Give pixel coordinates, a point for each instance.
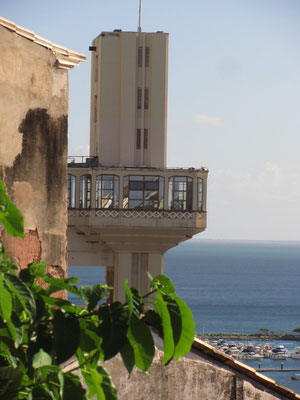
(24, 251)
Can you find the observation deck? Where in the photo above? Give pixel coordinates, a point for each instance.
(132, 210)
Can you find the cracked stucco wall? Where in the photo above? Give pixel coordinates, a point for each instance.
(185, 379)
(33, 148)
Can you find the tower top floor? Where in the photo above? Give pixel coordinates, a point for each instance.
(129, 99)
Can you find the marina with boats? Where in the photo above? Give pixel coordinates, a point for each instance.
(257, 351)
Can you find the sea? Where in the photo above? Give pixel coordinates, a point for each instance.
(235, 287)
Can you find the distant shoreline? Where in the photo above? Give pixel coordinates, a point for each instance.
(241, 337)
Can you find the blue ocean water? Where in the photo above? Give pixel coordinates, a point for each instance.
(236, 287)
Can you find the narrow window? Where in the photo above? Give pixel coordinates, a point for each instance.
(139, 98)
(147, 56)
(140, 56)
(107, 191)
(146, 98)
(85, 191)
(200, 193)
(71, 191)
(145, 138)
(138, 138)
(180, 193)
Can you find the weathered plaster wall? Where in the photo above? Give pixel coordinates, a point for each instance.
(185, 379)
(33, 147)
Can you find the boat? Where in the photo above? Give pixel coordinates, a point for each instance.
(279, 353)
(296, 353)
(249, 353)
(295, 376)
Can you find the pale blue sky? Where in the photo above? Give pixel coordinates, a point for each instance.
(234, 94)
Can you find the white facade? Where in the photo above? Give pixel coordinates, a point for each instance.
(129, 99)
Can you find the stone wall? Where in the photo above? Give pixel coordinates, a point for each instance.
(33, 144)
(192, 379)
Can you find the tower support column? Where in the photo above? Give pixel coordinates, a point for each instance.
(134, 266)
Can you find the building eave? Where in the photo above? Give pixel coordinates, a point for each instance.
(66, 58)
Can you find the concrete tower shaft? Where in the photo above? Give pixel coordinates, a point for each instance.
(129, 83)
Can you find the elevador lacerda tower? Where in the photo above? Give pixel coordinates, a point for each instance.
(126, 208)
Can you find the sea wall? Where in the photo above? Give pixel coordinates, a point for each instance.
(33, 147)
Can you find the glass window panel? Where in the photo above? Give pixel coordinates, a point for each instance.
(125, 191)
(136, 194)
(107, 184)
(151, 178)
(135, 203)
(200, 190)
(151, 185)
(176, 196)
(107, 193)
(108, 177)
(136, 185)
(71, 191)
(106, 203)
(180, 193)
(116, 192)
(151, 195)
(136, 178)
(85, 191)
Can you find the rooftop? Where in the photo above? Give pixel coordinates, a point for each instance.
(66, 59)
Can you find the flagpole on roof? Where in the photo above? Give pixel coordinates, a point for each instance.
(140, 15)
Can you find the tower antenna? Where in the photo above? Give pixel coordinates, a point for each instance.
(140, 15)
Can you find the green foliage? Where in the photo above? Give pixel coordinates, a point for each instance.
(39, 332)
(10, 216)
(296, 329)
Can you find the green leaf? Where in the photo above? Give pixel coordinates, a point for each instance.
(5, 301)
(163, 283)
(162, 309)
(134, 301)
(37, 270)
(41, 359)
(141, 340)
(15, 320)
(41, 392)
(155, 320)
(113, 328)
(66, 334)
(128, 297)
(127, 354)
(23, 294)
(92, 296)
(10, 216)
(99, 383)
(89, 336)
(13, 375)
(73, 389)
(107, 386)
(187, 333)
(175, 316)
(62, 304)
(57, 284)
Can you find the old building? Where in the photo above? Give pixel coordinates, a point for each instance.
(34, 98)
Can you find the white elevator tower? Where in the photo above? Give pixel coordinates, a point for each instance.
(129, 99)
(126, 208)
